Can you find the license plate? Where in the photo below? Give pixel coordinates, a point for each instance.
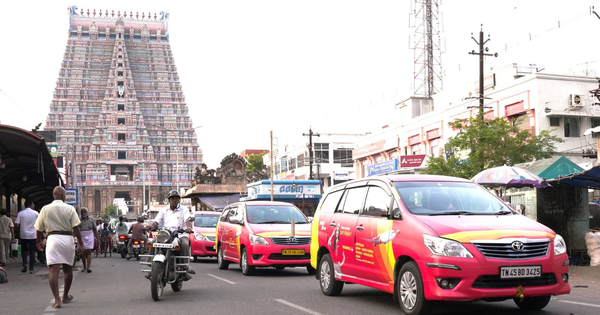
(292, 252)
(159, 245)
(135, 246)
(121, 243)
(520, 272)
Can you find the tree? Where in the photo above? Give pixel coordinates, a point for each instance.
(482, 144)
(110, 211)
(255, 162)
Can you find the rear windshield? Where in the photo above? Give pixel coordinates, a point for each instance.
(449, 198)
(206, 220)
(275, 215)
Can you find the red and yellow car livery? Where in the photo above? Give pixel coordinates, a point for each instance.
(202, 241)
(263, 234)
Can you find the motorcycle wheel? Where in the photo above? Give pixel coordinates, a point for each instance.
(123, 253)
(156, 281)
(137, 257)
(177, 285)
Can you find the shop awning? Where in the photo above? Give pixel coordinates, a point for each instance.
(589, 178)
(219, 202)
(552, 168)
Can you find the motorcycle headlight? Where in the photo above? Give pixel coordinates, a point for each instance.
(559, 245)
(258, 240)
(200, 237)
(444, 247)
(162, 236)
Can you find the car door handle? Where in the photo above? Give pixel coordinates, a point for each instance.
(360, 227)
(230, 230)
(332, 224)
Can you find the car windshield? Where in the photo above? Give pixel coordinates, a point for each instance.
(280, 214)
(449, 198)
(206, 220)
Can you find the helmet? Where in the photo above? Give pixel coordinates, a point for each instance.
(173, 193)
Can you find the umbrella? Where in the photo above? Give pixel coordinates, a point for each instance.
(509, 176)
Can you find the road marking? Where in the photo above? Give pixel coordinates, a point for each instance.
(579, 303)
(306, 310)
(225, 280)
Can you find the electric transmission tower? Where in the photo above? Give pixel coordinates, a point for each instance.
(425, 18)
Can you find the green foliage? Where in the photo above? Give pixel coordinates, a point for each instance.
(110, 211)
(255, 162)
(480, 145)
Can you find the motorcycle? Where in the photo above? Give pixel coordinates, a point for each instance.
(165, 266)
(122, 245)
(138, 247)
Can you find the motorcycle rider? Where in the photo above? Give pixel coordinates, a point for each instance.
(137, 232)
(121, 227)
(174, 217)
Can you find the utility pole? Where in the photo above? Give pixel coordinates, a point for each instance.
(310, 151)
(482, 52)
(271, 154)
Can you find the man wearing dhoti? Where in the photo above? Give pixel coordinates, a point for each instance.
(90, 238)
(60, 221)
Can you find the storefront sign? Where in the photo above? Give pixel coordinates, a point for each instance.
(53, 148)
(383, 167)
(368, 149)
(71, 196)
(412, 160)
(341, 176)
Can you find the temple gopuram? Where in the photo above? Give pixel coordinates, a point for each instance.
(119, 112)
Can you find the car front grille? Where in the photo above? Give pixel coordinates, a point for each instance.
(494, 282)
(290, 241)
(504, 250)
(289, 257)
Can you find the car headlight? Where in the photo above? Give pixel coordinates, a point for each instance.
(200, 237)
(445, 247)
(559, 245)
(258, 240)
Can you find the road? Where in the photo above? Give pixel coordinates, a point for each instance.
(117, 286)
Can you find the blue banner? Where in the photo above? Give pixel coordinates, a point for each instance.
(383, 167)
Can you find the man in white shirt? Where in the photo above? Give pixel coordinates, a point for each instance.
(175, 217)
(27, 233)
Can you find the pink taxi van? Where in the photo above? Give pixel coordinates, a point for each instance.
(430, 238)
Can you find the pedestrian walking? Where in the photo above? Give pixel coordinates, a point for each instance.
(7, 234)
(90, 239)
(61, 223)
(24, 222)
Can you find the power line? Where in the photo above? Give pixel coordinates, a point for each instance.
(10, 99)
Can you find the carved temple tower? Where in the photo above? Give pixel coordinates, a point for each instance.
(119, 112)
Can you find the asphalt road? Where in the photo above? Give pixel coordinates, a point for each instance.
(117, 286)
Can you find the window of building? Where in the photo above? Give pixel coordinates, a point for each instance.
(121, 121)
(300, 160)
(571, 127)
(284, 164)
(120, 73)
(292, 164)
(121, 107)
(595, 123)
(321, 152)
(343, 156)
(554, 122)
(121, 155)
(121, 137)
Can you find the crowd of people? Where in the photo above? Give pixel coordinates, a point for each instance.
(57, 233)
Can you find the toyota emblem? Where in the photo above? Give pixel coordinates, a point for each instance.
(517, 246)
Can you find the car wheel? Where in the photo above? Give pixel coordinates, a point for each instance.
(279, 267)
(533, 303)
(221, 262)
(247, 269)
(410, 290)
(329, 285)
(195, 258)
(311, 270)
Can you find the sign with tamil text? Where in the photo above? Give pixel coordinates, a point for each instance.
(412, 160)
(383, 167)
(71, 196)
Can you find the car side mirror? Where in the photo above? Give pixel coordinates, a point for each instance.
(310, 219)
(396, 214)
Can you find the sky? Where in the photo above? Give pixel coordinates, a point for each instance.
(338, 66)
